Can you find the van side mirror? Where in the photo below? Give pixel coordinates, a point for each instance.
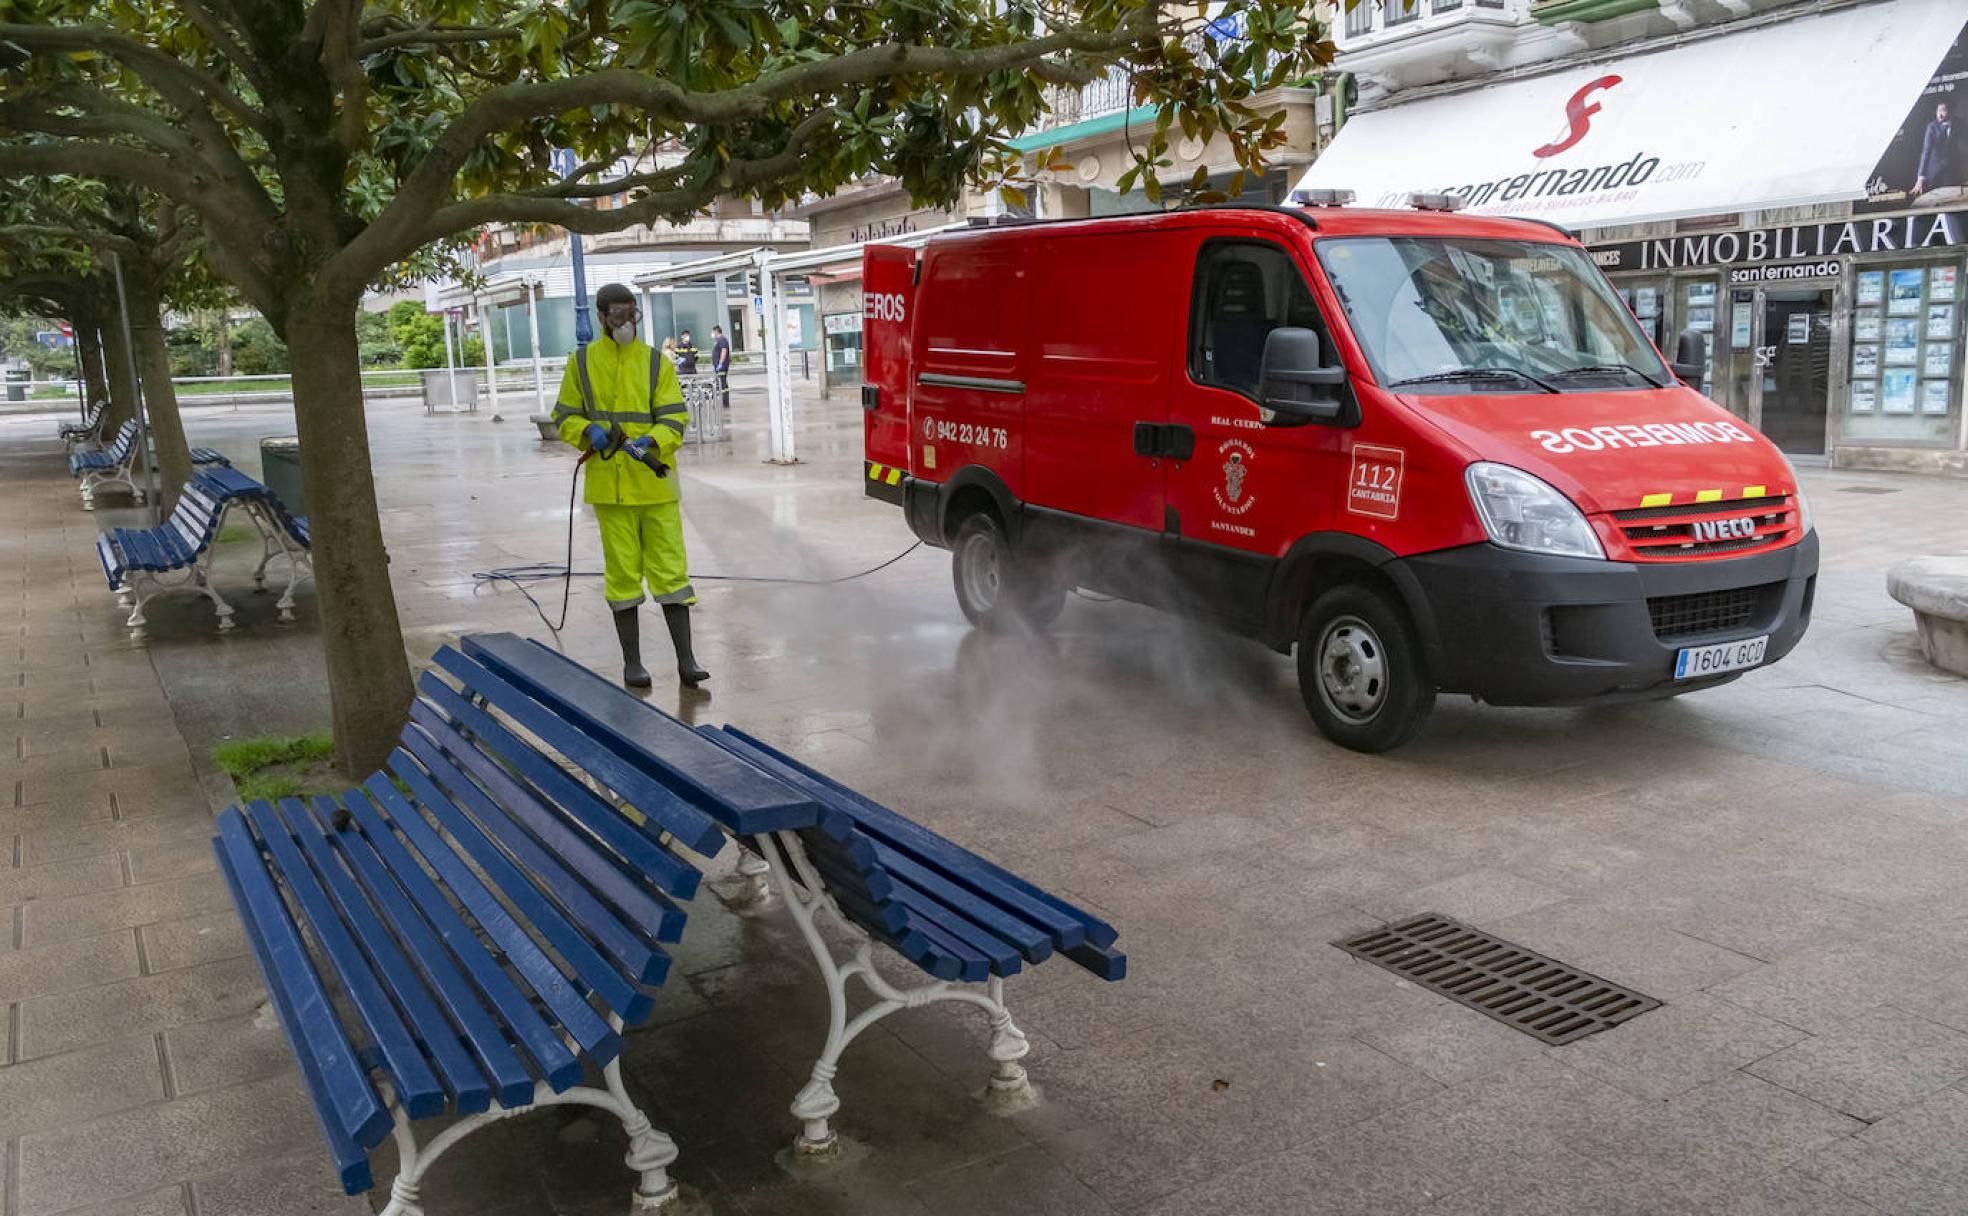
(1690, 357)
(1294, 384)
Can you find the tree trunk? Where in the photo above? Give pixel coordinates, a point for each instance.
(225, 342)
(116, 368)
(160, 399)
(368, 675)
(89, 356)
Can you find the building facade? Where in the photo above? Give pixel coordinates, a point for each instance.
(1787, 180)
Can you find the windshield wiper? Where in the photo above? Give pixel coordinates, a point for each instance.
(1607, 369)
(1472, 375)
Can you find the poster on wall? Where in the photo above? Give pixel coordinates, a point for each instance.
(1646, 302)
(1865, 396)
(1926, 162)
(1941, 283)
(1865, 361)
(1903, 294)
(1940, 320)
(1798, 331)
(1702, 319)
(1739, 317)
(1872, 286)
(1865, 325)
(1902, 340)
(1896, 392)
(1934, 397)
(1939, 360)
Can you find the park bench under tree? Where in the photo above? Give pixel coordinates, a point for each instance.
(471, 931)
(139, 562)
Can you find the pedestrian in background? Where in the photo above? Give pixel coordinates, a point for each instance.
(721, 363)
(686, 355)
(669, 350)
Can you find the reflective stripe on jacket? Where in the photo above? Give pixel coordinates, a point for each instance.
(610, 384)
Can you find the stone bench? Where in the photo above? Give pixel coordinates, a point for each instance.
(1936, 588)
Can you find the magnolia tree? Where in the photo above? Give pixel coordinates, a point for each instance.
(322, 144)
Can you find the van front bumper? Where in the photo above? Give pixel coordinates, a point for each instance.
(1514, 628)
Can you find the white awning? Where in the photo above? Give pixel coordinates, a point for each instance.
(1787, 114)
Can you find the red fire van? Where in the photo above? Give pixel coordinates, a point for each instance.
(1433, 452)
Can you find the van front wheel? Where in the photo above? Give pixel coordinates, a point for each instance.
(1360, 669)
(994, 588)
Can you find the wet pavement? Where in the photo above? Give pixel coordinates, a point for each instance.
(1780, 861)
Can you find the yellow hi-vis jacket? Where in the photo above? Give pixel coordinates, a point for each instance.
(606, 383)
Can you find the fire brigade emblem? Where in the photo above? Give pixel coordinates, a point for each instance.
(1237, 458)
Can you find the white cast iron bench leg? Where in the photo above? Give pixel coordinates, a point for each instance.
(816, 1102)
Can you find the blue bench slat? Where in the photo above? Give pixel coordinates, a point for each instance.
(869, 878)
(636, 847)
(497, 1062)
(417, 1086)
(972, 967)
(689, 824)
(1034, 943)
(1103, 962)
(469, 1089)
(638, 906)
(209, 456)
(884, 915)
(112, 562)
(561, 993)
(351, 1159)
(584, 914)
(1002, 956)
(957, 863)
(747, 800)
(355, 1109)
(540, 1040)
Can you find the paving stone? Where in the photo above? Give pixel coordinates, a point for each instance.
(1024, 1180)
(53, 920)
(1791, 1193)
(1634, 950)
(170, 1201)
(141, 790)
(1451, 1043)
(61, 1021)
(37, 1095)
(1339, 1175)
(138, 1151)
(59, 878)
(1822, 988)
(80, 963)
(227, 1051)
(1740, 1126)
(67, 841)
(1480, 897)
(1876, 1063)
(302, 1185)
(173, 859)
(51, 815)
(203, 938)
(1678, 1047)
(52, 767)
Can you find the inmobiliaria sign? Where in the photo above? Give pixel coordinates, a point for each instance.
(1816, 242)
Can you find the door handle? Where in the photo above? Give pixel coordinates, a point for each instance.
(1174, 441)
(1147, 439)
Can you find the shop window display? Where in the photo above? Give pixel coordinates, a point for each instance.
(1906, 353)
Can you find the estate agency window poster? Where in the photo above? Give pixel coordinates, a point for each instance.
(1906, 350)
(1926, 162)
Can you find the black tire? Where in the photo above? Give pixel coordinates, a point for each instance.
(1361, 669)
(994, 588)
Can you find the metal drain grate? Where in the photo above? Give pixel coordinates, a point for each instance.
(1521, 988)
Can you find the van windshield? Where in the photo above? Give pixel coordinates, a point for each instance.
(1487, 316)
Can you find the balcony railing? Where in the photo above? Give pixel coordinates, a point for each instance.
(1110, 94)
(1368, 16)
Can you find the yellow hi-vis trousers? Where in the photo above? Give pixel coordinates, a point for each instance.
(643, 544)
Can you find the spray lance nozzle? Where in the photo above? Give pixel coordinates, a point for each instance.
(606, 441)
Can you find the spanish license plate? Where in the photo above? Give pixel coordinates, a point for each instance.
(1698, 661)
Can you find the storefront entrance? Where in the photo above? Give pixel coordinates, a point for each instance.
(1793, 362)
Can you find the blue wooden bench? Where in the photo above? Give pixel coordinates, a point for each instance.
(832, 852)
(115, 464)
(470, 931)
(136, 561)
(88, 430)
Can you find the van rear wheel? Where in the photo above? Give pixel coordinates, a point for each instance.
(995, 589)
(1360, 669)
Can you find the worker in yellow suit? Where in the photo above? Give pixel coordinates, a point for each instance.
(623, 406)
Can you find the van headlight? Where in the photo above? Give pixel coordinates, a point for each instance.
(1521, 512)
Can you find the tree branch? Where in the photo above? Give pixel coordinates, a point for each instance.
(570, 188)
(432, 35)
(222, 39)
(182, 85)
(27, 236)
(405, 222)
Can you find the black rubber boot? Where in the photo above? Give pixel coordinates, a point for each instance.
(628, 630)
(677, 617)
